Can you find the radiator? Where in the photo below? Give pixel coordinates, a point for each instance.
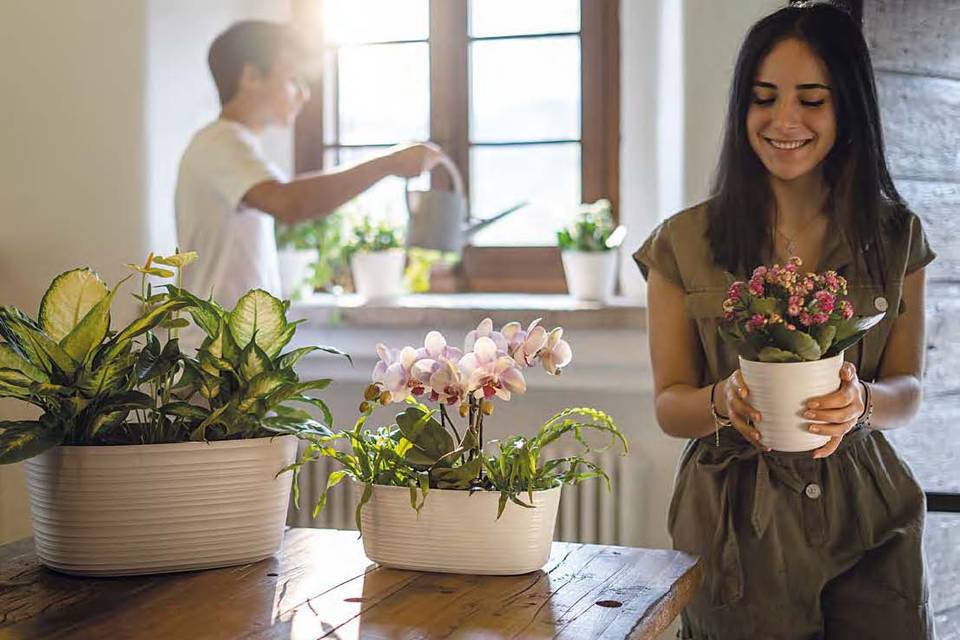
(588, 512)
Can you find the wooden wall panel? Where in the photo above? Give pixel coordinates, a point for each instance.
(938, 205)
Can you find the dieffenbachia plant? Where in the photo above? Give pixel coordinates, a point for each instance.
(424, 450)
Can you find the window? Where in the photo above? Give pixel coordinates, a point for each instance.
(523, 95)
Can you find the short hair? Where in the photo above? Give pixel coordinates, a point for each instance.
(253, 42)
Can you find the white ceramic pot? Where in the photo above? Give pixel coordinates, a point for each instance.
(457, 532)
(780, 390)
(378, 275)
(159, 508)
(591, 275)
(295, 266)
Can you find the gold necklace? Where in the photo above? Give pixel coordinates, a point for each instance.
(791, 246)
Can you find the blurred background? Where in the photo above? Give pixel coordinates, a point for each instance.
(549, 102)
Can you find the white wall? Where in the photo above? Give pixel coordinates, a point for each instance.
(100, 98)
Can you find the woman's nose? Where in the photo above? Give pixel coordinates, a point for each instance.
(786, 114)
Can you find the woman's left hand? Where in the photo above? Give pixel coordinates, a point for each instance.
(838, 410)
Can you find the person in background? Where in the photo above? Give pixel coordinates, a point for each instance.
(824, 543)
(228, 193)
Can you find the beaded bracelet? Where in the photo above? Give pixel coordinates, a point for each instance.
(718, 419)
(864, 419)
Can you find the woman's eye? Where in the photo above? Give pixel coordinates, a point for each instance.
(812, 103)
(763, 102)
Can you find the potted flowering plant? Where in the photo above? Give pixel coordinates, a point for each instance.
(790, 330)
(297, 254)
(146, 459)
(377, 259)
(431, 496)
(588, 251)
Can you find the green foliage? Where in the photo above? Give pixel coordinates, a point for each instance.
(95, 386)
(418, 452)
(590, 230)
(370, 235)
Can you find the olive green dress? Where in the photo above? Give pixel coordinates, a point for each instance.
(796, 547)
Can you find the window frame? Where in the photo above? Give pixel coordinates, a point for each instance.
(489, 268)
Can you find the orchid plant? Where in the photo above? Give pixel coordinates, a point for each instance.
(424, 449)
(784, 315)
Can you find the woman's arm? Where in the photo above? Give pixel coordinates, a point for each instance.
(897, 392)
(682, 407)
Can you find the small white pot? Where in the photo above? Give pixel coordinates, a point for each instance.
(591, 275)
(295, 265)
(158, 508)
(780, 390)
(457, 532)
(378, 275)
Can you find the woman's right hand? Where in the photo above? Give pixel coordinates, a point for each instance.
(410, 160)
(736, 407)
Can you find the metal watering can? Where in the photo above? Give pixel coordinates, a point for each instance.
(439, 220)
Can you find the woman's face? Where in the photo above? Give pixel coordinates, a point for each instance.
(791, 121)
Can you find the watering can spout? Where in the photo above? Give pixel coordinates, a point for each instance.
(477, 225)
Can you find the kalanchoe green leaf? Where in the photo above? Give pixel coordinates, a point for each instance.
(798, 342)
(824, 335)
(772, 354)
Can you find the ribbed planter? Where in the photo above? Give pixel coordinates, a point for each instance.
(457, 532)
(591, 275)
(780, 390)
(159, 508)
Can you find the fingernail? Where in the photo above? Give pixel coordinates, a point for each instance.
(756, 437)
(743, 393)
(813, 404)
(756, 417)
(809, 414)
(814, 428)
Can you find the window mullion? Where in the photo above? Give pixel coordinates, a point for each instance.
(449, 86)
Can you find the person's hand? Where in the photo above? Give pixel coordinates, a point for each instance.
(410, 160)
(734, 402)
(838, 410)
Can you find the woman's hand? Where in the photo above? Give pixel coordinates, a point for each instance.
(734, 405)
(839, 410)
(410, 160)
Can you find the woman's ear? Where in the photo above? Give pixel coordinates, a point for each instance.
(250, 78)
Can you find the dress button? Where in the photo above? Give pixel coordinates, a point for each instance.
(881, 303)
(812, 491)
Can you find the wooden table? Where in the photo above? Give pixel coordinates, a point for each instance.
(322, 585)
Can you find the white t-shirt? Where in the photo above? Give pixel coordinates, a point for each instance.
(236, 243)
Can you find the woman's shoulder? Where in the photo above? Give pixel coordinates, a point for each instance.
(679, 249)
(907, 247)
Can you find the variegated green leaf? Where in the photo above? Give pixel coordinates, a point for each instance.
(69, 298)
(30, 341)
(253, 361)
(91, 330)
(259, 314)
(21, 440)
(143, 324)
(10, 359)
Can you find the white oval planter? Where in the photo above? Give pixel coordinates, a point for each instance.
(780, 390)
(378, 275)
(591, 275)
(295, 267)
(159, 508)
(457, 532)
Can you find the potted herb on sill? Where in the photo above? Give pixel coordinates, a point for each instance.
(432, 497)
(791, 330)
(588, 251)
(377, 259)
(147, 460)
(297, 255)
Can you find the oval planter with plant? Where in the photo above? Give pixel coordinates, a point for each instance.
(377, 259)
(791, 330)
(145, 459)
(432, 497)
(588, 251)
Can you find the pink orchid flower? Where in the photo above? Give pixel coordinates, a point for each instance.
(435, 347)
(556, 354)
(524, 346)
(490, 373)
(485, 330)
(446, 384)
(394, 372)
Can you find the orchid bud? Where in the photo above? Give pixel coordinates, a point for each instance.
(464, 410)
(385, 397)
(487, 407)
(364, 407)
(372, 392)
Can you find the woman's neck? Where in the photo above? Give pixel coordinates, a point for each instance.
(798, 201)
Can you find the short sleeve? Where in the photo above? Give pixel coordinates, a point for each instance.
(233, 163)
(657, 253)
(920, 253)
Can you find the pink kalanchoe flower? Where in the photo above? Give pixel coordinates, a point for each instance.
(756, 287)
(791, 327)
(846, 310)
(825, 301)
(394, 372)
(489, 373)
(805, 319)
(757, 321)
(736, 289)
(820, 318)
(556, 354)
(759, 272)
(485, 330)
(524, 346)
(793, 310)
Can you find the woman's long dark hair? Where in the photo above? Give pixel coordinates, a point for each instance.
(855, 169)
